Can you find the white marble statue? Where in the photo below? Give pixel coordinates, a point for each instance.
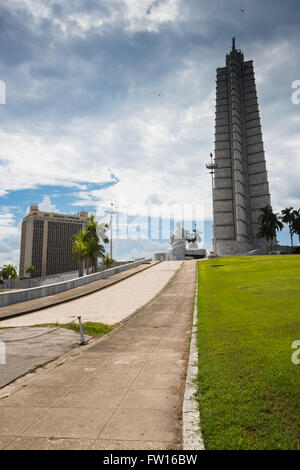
(192, 239)
(179, 240)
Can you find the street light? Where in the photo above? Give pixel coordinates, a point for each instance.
(111, 229)
(212, 167)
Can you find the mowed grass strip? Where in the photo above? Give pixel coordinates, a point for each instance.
(248, 387)
(89, 328)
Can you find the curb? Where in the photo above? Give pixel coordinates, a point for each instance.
(191, 432)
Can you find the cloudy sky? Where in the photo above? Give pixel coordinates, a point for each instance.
(114, 101)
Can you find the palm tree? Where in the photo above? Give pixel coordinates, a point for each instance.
(288, 217)
(269, 224)
(95, 249)
(108, 261)
(9, 272)
(296, 223)
(30, 270)
(79, 250)
(1, 277)
(91, 239)
(87, 246)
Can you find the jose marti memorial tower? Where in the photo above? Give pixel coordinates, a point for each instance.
(241, 182)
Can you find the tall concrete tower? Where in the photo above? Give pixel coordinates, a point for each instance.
(241, 182)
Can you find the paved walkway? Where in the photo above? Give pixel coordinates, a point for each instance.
(43, 302)
(110, 305)
(122, 392)
(23, 356)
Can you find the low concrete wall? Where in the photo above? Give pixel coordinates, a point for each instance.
(43, 281)
(9, 298)
(46, 280)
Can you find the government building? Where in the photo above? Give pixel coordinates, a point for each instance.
(46, 241)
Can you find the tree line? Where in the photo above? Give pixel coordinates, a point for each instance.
(8, 272)
(88, 246)
(270, 223)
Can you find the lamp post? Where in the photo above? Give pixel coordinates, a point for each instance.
(111, 229)
(212, 168)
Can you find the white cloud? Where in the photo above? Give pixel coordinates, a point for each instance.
(46, 205)
(9, 255)
(151, 148)
(148, 15)
(8, 226)
(154, 123)
(30, 160)
(37, 8)
(133, 15)
(142, 249)
(266, 58)
(9, 239)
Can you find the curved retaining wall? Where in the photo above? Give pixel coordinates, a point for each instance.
(9, 298)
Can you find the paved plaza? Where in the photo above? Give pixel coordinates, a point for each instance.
(109, 305)
(41, 303)
(24, 356)
(124, 391)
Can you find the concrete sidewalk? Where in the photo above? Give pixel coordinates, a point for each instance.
(122, 392)
(110, 305)
(24, 356)
(37, 304)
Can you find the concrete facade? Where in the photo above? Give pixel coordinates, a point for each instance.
(241, 183)
(46, 241)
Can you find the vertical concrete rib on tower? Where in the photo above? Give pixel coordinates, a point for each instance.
(241, 184)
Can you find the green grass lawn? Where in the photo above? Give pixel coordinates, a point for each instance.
(248, 387)
(89, 328)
